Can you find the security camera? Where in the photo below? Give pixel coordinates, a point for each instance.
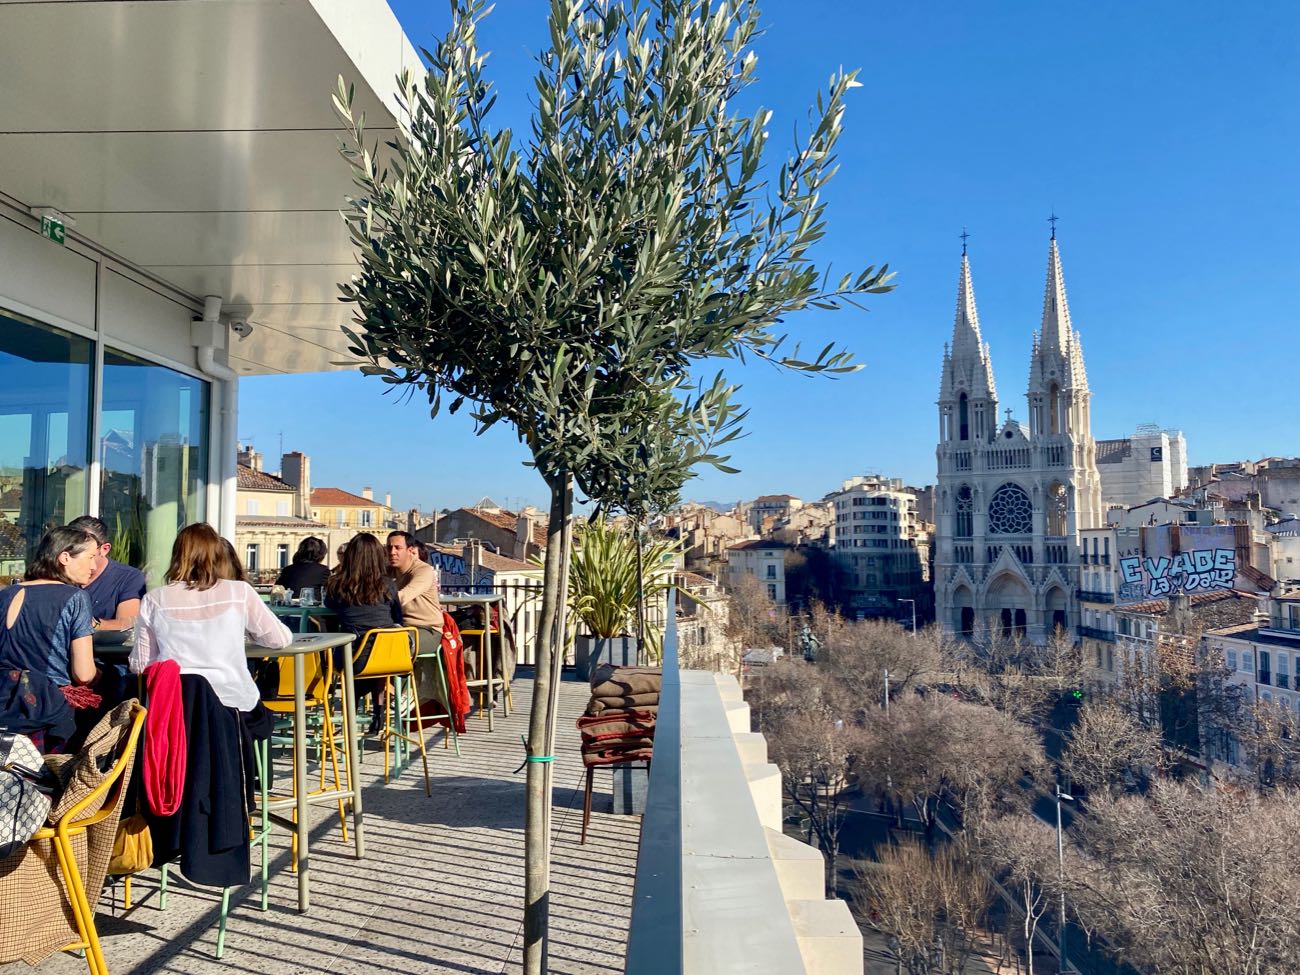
(241, 327)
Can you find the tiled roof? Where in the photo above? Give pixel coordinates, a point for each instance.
(499, 563)
(1250, 631)
(775, 497)
(1113, 451)
(693, 580)
(248, 479)
(338, 498)
(277, 521)
(508, 521)
(1157, 607)
(759, 543)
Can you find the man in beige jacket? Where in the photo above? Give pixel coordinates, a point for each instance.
(417, 591)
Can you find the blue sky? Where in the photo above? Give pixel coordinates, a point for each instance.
(1166, 137)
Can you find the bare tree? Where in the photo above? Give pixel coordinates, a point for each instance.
(858, 655)
(815, 747)
(1191, 882)
(753, 619)
(1106, 745)
(932, 904)
(928, 749)
(1270, 736)
(1021, 850)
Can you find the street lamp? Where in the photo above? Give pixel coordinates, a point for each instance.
(913, 602)
(1060, 864)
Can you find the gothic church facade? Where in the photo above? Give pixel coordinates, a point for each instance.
(1013, 497)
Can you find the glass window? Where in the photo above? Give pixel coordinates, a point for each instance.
(771, 592)
(771, 572)
(1247, 661)
(1232, 660)
(366, 515)
(44, 434)
(281, 555)
(282, 508)
(250, 558)
(154, 451)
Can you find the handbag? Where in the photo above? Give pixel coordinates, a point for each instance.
(26, 792)
(132, 847)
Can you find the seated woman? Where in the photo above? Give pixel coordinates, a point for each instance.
(202, 618)
(45, 640)
(307, 571)
(364, 597)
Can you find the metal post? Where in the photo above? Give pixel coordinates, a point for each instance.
(913, 602)
(1060, 863)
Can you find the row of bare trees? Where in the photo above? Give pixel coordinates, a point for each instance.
(1166, 876)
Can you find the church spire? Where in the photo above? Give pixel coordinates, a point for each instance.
(969, 353)
(1056, 333)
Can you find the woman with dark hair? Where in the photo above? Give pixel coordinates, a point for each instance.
(360, 590)
(363, 595)
(307, 570)
(202, 618)
(45, 639)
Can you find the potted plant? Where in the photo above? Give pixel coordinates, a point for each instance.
(603, 593)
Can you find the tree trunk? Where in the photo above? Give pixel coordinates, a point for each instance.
(550, 651)
(640, 593)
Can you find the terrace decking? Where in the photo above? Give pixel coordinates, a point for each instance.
(440, 889)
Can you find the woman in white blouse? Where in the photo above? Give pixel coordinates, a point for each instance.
(202, 617)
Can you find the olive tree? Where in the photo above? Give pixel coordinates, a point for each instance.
(569, 281)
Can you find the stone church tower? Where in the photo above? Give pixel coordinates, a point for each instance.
(1012, 498)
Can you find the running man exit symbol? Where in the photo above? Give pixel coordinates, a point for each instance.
(52, 227)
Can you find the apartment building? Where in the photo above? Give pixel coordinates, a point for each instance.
(881, 548)
(762, 559)
(1152, 463)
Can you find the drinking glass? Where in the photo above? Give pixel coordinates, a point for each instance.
(307, 596)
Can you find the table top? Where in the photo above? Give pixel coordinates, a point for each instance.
(471, 599)
(300, 610)
(302, 643)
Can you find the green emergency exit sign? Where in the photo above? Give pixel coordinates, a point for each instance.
(52, 227)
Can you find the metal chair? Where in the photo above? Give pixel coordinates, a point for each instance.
(108, 794)
(389, 654)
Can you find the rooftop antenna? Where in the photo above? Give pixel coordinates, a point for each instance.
(964, 237)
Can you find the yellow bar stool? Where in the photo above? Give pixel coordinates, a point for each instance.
(390, 654)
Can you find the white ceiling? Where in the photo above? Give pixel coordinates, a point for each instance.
(196, 139)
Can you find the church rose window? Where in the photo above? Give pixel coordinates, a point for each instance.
(1010, 512)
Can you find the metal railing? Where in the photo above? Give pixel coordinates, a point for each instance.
(1094, 596)
(1097, 634)
(523, 605)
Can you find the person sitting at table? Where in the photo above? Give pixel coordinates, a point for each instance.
(202, 618)
(364, 597)
(307, 571)
(115, 589)
(233, 566)
(45, 640)
(417, 589)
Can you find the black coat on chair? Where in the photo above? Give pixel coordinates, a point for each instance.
(209, 832)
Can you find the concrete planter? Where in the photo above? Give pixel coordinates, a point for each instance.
(590, 652)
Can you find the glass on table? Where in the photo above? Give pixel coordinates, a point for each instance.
(307, 596)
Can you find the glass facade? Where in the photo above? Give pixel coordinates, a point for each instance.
(44, 434)
(153, 456)
(153, 446)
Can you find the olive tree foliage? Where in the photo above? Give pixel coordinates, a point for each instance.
(568, 282)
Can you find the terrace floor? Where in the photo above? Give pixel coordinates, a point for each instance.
(440, 889)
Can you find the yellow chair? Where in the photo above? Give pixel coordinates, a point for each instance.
(61, 835)
(317, 677)
(390, 654)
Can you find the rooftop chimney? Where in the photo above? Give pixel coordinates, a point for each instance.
(368, 493)
(388, 499)
(295, 469)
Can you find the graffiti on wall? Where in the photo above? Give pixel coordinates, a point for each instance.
(455, 573)
(1206, 561)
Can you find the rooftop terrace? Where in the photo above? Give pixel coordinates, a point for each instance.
(440, 889)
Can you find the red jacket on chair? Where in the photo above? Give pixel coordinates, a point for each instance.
(164, 738)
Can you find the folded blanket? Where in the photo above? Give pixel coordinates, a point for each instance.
(610, 681)
(616, 721)
(629, 743)
(622, 703)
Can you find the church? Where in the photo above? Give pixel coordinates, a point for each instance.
(1013, 497)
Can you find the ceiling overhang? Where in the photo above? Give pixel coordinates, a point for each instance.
(197, 140)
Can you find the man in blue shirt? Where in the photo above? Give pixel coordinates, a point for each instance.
(115, 589)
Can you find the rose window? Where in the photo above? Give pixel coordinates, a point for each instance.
(1010, 511)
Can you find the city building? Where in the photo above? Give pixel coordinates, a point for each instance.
(881, 549)
(1275, 480)
(342, 510)
(1284, 549)
(704, 533)
(771, 510)
(1150, 464)
(762, 559)
(270, 524)
(521, 536)
(1013, 497)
